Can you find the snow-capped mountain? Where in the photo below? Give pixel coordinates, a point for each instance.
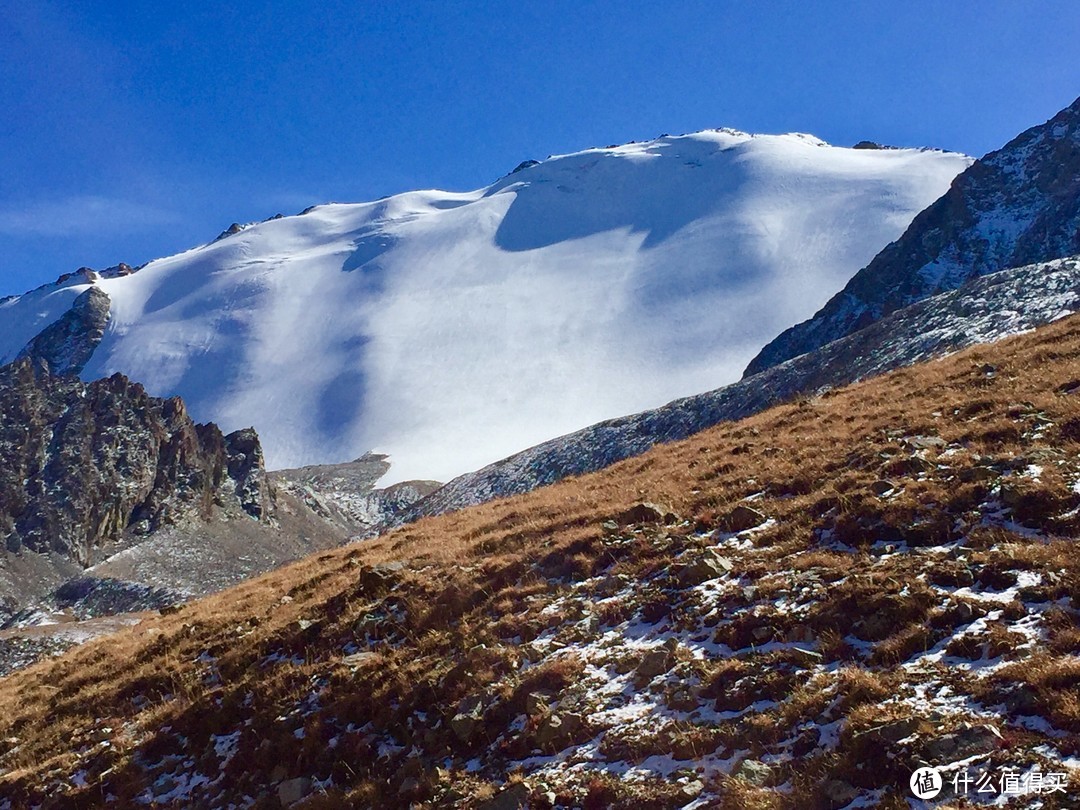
(452, 329)
(1017, 205)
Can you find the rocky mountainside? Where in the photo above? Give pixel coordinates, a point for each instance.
(113, 502)
(346, 495)
(67, 344)
(86, 462)
(1015, 206)
(982, 311)
(448, 330)
(795, 610)
(91, 467)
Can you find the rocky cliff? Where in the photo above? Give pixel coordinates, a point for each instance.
(86, 464)
(68, 343)
(1015, 206)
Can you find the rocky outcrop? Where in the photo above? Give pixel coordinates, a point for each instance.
(1015, 206)
(67, 344)
(86, 464)
(984, 310)
(346, 495)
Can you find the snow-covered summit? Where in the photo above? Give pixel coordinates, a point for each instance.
(452, 329)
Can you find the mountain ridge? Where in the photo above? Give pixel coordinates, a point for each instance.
(1017, 205)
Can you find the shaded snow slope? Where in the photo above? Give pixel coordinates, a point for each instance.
(451, 329)
(985, 310)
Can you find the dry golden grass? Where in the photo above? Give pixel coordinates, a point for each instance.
(476, 584)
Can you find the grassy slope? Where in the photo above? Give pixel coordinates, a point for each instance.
(907, 601)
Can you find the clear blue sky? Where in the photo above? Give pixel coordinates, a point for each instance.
(131, 130)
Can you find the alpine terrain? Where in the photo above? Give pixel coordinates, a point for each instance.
(1015, 206)
(448, 330)
(794, 610)
(798, 589)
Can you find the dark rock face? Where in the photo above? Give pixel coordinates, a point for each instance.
(247, 470)
(67, 344)
(86, 462)
(1018, 205)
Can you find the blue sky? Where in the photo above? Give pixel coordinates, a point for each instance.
(132, 130)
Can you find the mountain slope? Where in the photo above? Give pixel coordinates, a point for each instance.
(982, 311)
(451, 329)
(835, 592)
(89, 468)
(83, 463)
(1017, 205)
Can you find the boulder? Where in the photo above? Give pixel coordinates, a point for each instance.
(838, 793)
(925, 442)
(882, 487)
(381, 577)
(962, 743)
(704, 568)
(741, 518)
(537, 702)
(657, 661)
(469, 715)
(511, 797)
(359, 659)
(912, 465)
(754, 772)
(977, 475)
(645, 512)
(558, 728)
(293, 790)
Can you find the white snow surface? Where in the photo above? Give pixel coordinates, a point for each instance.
(450, 330)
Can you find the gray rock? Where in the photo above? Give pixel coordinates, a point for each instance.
(838, 793)
(977, 475)
(292, 791)
(470, 715)
(691, 790)
(741, 518)
(382, 576)
(925, 442)
(360, 659)
(66, 345)
(882, 487)
(83, 462)
(654, 662)
(537, 702)
(964, 742)
(558, 728)
(511, 797)
(645, 512)
(754, 772)
(911, 466)
(702, 569)
(892, 731)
